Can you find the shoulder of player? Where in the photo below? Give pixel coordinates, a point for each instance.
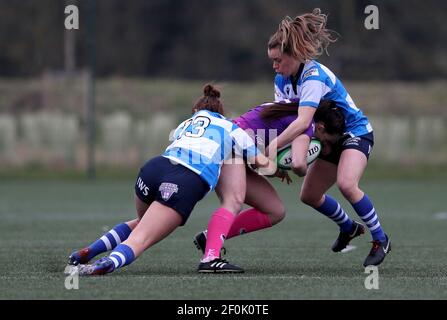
(319, 72)
(216, 120)
(209, 114)
(314, 70)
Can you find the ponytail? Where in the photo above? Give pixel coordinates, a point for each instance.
(304, 37)
(210, 101)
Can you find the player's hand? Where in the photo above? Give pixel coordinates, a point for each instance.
(283, 175)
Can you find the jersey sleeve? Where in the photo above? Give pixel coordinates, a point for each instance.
(244, 146)
(311, 93)
(313, 88)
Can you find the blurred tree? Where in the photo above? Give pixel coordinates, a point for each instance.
(222, 39)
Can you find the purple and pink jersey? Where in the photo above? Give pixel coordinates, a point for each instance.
(252, 120)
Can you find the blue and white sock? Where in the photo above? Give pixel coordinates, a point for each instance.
(333, 210)
(367, 213)
(110, 240)
(122, 256)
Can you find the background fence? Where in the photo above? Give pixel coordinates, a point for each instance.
(46, 124)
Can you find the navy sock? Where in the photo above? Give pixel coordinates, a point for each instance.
(110, 240)
(367, 213)
(333, 210)
(122, 256)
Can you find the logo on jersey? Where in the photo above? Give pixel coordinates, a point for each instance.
(142, 186)
(288, 89)
(355, 141)
(310, 73)
(167, 190)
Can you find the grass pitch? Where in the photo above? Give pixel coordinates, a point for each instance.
(41, 222)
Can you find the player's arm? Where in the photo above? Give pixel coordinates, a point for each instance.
(297, 127)
(265, 165)
(313, 89)
(245, 148)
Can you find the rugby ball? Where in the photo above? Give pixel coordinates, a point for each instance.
(284, 157)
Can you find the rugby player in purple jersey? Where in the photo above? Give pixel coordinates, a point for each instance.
(238, 184)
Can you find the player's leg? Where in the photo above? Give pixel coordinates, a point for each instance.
(156, 224)
(231, 192)
(231, 187)
(110, 239)
(350, 170)
(141, 207)
(320, 177)
(173, 191)
(107, 242)
(267, 207)
(161, 218)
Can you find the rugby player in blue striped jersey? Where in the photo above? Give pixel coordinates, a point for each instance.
(169, 186)
(293, 49)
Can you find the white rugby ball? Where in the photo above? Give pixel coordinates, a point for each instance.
(284, 157)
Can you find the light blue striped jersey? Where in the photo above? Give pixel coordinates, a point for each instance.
(202, 142)
(316, 83)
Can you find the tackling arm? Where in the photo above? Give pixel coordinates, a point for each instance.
(297, 127)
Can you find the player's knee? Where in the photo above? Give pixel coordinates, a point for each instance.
(309, 198)
(278, 215)
(348, 188)
(139, 242)
(233, 203)
(299, 167)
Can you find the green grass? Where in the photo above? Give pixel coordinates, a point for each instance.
(42, 221)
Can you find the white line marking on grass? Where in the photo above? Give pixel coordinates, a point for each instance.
(210, 276)
(348, 248)
(234, 276)
(440, 216)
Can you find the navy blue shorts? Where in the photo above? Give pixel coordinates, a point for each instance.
(363, 143)
(170, 184)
